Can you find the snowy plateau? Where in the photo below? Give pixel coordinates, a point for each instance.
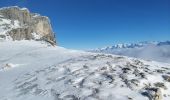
(32, 69)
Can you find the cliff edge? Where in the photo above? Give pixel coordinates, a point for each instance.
(20, 24)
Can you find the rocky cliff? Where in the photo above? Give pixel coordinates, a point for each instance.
(19, 24)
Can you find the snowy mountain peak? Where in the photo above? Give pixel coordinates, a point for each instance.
(133, 45)
(164, 43)
(33, 70)
(19, 24)
(158, 51)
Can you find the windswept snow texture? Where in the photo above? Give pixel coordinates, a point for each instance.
(32, 70)
(157, 51)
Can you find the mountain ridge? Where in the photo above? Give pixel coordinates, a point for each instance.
(31, 69)
(135, 45)
(158, 51)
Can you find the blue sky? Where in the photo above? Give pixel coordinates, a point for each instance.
(84, 24)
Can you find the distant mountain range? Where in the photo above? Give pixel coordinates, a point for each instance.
(158, 51)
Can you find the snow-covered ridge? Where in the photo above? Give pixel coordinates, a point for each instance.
(35, 70)
(32, 70)
(134, 45)
(158, 51)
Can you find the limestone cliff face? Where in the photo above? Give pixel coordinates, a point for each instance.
(26, 25)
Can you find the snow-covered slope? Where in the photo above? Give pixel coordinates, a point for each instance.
(158, 51)
(31, 70)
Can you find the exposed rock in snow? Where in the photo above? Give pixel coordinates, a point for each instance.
(19, 24)
(8, 66)
(35, 70)
(166, 77)
(54, 73)
(153, 93)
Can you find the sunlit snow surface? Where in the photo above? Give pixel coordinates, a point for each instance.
(31, 70)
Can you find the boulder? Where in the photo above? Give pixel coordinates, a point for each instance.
(153, 93)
